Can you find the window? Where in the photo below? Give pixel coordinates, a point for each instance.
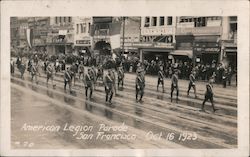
(60, 19)
(147, 20)
(56, 20)
(77, 28)
(162, 20)
(170, 20)
(64, 19)
(200, 22)
(81, 28)
(154, 21)
(89, 28)
(69, 19)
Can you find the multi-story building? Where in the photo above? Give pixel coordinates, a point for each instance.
(14, 35)
(60, 38)
(199, 37)
(82, 38)
(101, 32)
(229, 41)
(22, 39)
(130, 34)
(157, 37)
(40, 29)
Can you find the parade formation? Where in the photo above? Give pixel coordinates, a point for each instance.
(112, 80)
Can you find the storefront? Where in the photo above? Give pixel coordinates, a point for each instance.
(154, 51)
(229, 49)
(184, 48)
(58, 44)
(206, 52)
(82, 47)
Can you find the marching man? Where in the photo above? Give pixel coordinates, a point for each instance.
(120, 76)
(209, 96)
(160, 79)
(108, 82)
(93, 75)
(81, 70)
(88, 81)
(139, 85)
(174, 85)
(34, 72)
(114, 80)
(50, 75)
(192, 83)
(68, 80)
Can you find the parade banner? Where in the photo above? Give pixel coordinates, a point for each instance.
(115, 35)
(29, 37)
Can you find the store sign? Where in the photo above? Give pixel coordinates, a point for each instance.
(154, 45)
(206, 47)
(216, 30)
(84, 42)
(157, 31)
(164, 45)
(142, 44)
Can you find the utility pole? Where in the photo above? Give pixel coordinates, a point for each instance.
(123, 34)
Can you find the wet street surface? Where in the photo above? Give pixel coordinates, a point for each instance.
(154, 123)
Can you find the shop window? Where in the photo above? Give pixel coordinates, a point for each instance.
(162, 21)
(170, 20)
(154, 21)
(147, 20)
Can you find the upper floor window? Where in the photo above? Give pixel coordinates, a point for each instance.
(154, 21)
(170, 20)
(200, 22)
(69, 19)
(162, 21)
(77, 28)
(147, 20)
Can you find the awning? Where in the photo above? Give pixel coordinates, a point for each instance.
(188, 53)
(231, 50)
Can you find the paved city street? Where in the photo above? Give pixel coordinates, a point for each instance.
(174, 124)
